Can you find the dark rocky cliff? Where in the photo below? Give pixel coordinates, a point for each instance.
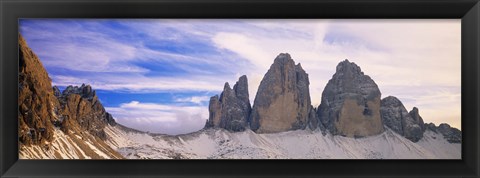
(232, 109)
(350, 104)
(395, 116)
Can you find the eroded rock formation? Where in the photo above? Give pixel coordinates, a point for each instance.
(80, 107)
(350, 104)
(396, 117)
(282, 101)
(232, 109)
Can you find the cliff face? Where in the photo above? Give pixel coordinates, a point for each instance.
(81, 110)
(282, 102)
(46, 115)
(395, 116)
(350, 104)
(415, 114)
(231, 111)
(36, 102)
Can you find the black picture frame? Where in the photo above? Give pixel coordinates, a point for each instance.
(467, 10)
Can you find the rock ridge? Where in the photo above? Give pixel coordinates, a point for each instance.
(453, 135)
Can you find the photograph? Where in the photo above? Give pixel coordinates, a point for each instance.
(239, 89)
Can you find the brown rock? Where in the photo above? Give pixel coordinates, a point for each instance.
(42, 107)
(282, 102)
(81, 105)
(36, 101)
(350, 103)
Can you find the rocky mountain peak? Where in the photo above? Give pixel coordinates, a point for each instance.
(84, 91)
(232, 109)
(414, 113)
(392, 101)
(350, 103)
(282, 101)
(82, 111)
(282, 59)
(226, 86)
(56, 91)
(227, 91)
(347, 67)
(395, 116)
(453, 135)
(241, 89)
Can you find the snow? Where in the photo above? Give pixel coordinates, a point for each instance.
(299, 144)
(221, 144)
(440, 146)
(62, 147)
(97, 150)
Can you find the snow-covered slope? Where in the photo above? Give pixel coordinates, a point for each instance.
(71, 146)
(300, 144)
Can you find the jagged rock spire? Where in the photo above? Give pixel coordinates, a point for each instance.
(232, 109)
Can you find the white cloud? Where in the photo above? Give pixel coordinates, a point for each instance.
(142, 84)
(160, 118)
(194, 99)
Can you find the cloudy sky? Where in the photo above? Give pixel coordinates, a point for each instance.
(158, 75)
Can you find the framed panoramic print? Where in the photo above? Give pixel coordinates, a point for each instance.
(240, 88)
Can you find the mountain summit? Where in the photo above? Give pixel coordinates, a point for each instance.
(232, 110)
(283, 101)
(350, 104)
(396, 117)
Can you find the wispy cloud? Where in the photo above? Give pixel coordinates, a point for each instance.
(159, 118)
(194, 99)
(142, 84)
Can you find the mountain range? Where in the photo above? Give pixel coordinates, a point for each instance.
(352, 121)
(351, 105)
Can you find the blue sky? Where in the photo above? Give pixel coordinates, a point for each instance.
(157, 75)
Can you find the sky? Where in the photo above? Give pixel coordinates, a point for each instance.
(157, 75)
